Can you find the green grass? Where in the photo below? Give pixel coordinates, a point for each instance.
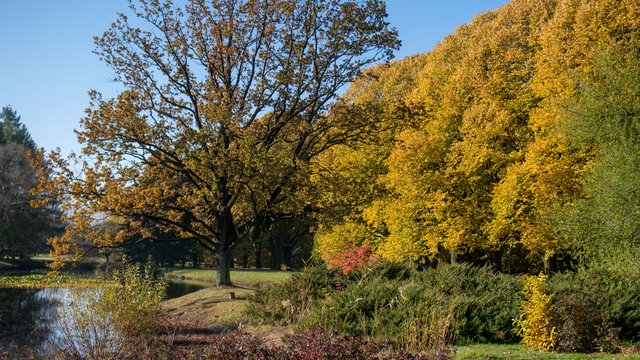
(211, 305)
(250, 278)
(42, 257)
(499, 352)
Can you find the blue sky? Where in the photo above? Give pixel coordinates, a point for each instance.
(47, 65)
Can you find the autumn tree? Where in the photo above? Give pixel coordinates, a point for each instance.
(479, 167)
(549, 176)
(345, 178)
(224, 104)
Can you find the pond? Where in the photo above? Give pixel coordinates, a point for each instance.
(29, 317)
(177, 288)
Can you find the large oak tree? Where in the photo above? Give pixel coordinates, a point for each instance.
(224, 104)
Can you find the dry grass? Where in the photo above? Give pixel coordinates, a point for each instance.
(213, 308)
(211, 305)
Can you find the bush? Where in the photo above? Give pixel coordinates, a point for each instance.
(595, 309)
(484, 302)
(351, 258)
(236, 345)
(385, 300)
(117, 320)
(288, 301)
(314, 343)
(372, 307)
(388, 270)
(431, 331)
(617, 295)
(133, 301)
(534, 324)
(310, 344)
(582, 325)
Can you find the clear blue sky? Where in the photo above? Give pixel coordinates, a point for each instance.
(47, 65)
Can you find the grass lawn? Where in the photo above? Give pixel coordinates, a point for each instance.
(213, 307)
(499, 352)
(210, 305)
(248, 278)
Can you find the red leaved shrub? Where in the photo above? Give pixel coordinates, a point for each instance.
(351, 258)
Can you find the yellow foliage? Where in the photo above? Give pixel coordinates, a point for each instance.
(476, 159)
(534, 324)
(331, 241)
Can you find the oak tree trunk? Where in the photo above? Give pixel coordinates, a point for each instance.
(223, 265)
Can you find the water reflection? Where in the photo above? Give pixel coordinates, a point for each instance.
(177, 288)
(28, 319)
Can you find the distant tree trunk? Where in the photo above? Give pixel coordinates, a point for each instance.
(258, 254)
(287, 255)
(245, 261)
(497, 259)
(254, 237)
(276, 253)
(106, 257)
(453, 254)
(195, 261)
(546, 261)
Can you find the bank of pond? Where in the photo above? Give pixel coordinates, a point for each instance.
(32, 309)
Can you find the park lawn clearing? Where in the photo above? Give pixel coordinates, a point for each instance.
(245, 278)
(211, 305)
(516, 351)
(214, 308)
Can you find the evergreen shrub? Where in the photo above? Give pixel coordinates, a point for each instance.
(384, 300)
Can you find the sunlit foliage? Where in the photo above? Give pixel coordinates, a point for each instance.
(480, 162)
(225, 103)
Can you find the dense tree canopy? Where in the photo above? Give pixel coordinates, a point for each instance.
(23, 229)
(225, 103)
(603, 120)
(480, 163)
(513, 142)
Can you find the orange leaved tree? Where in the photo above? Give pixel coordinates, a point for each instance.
(224, 104)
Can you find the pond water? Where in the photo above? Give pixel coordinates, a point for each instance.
(177, 288)
(29, 317)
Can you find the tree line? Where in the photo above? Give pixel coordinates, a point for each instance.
(511, 143)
